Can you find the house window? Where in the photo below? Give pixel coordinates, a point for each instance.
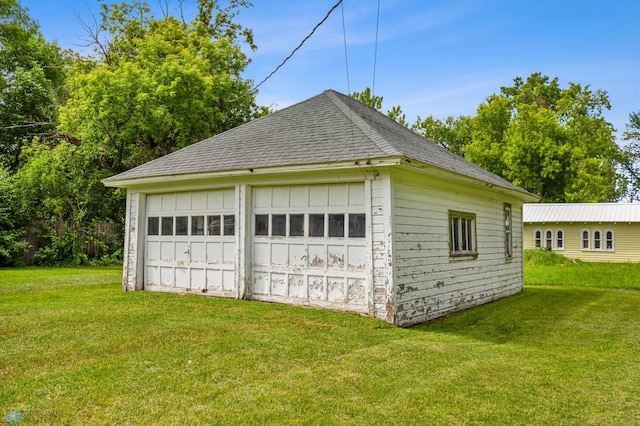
(462, 234)
(548, 240)
(537, 239)
(560, 239)
(153, 226)
(585, 240)
(608, 237)
(508, 237)
(597, 240)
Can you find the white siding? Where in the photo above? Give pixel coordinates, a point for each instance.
(134, 242)
(430, 283)
(382, 248)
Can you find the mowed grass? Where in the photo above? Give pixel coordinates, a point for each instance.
(75, 349)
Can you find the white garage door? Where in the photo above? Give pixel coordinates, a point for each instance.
(190, 242)
(309, 245)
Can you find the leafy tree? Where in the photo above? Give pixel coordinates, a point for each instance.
(631, 156)
(375, 102)
(551, 141)
(32, 74)
(454, 133)
(12, 245)
(158, 84)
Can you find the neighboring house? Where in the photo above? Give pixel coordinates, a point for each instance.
(597, 232)
(326, 203)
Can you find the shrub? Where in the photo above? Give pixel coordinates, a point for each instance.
(538, 257)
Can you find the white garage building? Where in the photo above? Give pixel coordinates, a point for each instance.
(326, 203)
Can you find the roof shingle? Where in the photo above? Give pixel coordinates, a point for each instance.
(326, 128)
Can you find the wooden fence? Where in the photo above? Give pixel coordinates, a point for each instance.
(97, 234)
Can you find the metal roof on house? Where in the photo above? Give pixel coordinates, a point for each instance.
(327, 128)
(581, 212)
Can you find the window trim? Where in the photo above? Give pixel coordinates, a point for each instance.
(537, 238)
(508, 231)
(606, 240)
(473, 239)
(559, 239)
(597, 241)
(582, 240)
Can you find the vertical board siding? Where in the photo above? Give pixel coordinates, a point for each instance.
(626, 240)
(382, 250)
(429, 283)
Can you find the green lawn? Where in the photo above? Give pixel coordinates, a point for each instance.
(75, 349)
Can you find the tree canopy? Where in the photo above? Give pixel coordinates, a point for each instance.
(32, 73)
(551, 141)
(631, 156)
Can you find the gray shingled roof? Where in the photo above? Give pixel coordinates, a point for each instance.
(329, 127)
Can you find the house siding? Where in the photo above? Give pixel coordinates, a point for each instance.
(626, 242)
(428, 282)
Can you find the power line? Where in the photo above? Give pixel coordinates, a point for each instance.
(298, 47)
(375, 54)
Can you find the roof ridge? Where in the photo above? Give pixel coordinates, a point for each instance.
(361, 122)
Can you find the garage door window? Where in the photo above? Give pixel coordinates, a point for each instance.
(356, 225)
(182, 225)
(229, 224)
(296, 225)
(153, 226)
(316, 225)
(213, 225)
(336, 225)
(279, 225)
(167, 225)
(197, 225)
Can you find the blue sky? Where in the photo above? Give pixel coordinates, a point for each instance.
(434, 57)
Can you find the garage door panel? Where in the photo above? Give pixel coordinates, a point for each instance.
(279, 284)
(335, 289)
(261, 283)
(167, 278)
(198, 279)
(228, 280)
(317, 256)
(182, 278)
(153, 275)
(167, 251)
(298, 255)
(214, 279)
(262, 255)
(279, 255)
(335, 257)
(297, 286)
(183, 252)
(356, 291)
(228, 252)
(214, 253)
(356, 258)
(316, 287)
(198, 252)
(153, 250)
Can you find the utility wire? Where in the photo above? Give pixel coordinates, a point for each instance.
(375, 54)
(298, 47)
